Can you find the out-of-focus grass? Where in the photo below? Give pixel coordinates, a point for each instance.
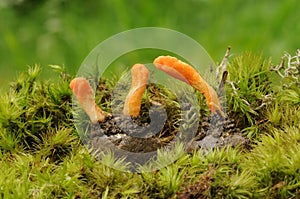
(63, 32)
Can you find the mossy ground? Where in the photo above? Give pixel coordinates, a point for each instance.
(41, 155)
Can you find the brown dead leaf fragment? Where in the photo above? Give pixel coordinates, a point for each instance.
(201, 187)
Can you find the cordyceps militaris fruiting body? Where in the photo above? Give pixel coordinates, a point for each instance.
(86, 97)
(170, 65)
(139, 74)
(108, 128)
(184, 72)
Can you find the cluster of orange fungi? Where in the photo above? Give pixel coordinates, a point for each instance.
(170, 65)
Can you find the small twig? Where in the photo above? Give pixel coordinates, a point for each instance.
(223, 65)
(222, 83)
(222, 69)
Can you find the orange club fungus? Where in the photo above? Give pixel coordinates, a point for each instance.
(86, 97)
(139, 74)
(184, 72)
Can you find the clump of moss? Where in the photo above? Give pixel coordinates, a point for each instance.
(249, 91)
(40, 150)
(34, 109)
(257, 89)
(275, 162)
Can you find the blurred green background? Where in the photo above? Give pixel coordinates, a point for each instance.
(63, 32)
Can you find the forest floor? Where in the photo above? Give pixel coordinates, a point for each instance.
(252, 153)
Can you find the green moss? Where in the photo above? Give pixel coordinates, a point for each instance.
(33, 108)
(41, 155)
(275, 162)
(249, 90)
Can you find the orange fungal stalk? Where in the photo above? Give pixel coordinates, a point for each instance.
(133, 100)
(85, 95)
(188, 74)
